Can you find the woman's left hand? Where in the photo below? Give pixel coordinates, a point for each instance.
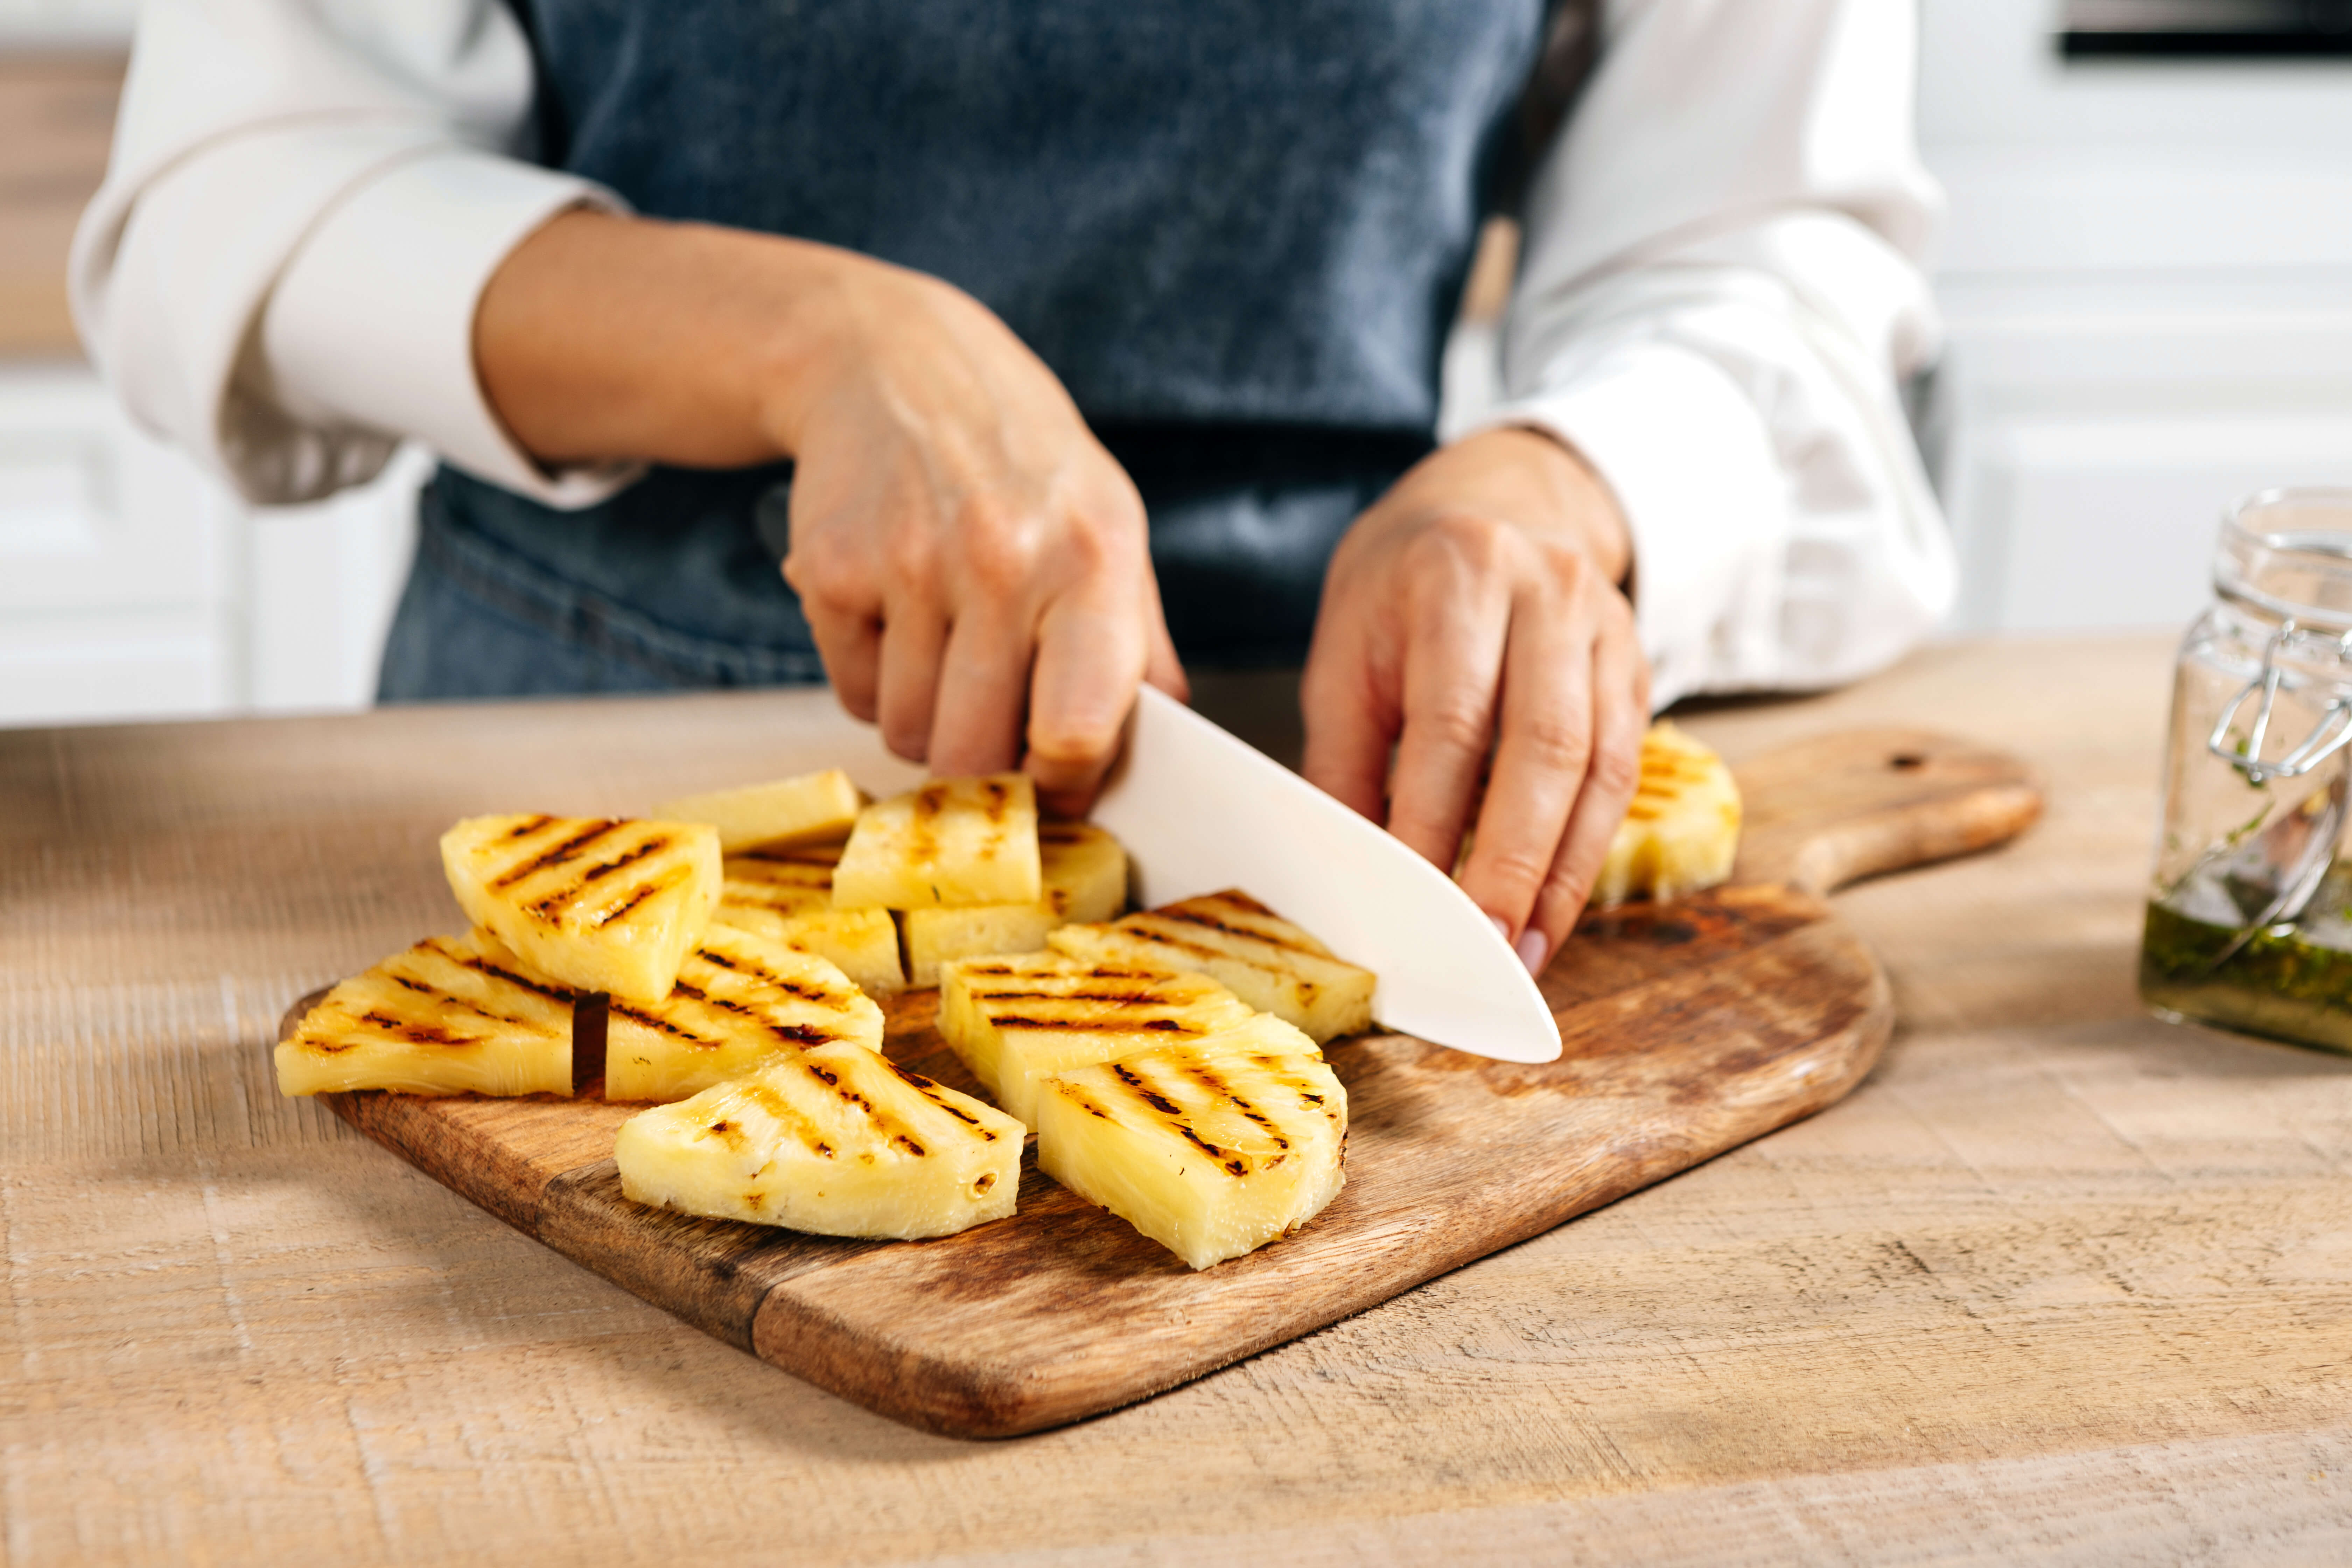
(1477, 609)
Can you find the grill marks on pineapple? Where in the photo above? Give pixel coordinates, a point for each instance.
(1664, 776)
(553, 855)
(552, 880)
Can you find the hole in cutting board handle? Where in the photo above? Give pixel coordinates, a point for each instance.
(1906, 762)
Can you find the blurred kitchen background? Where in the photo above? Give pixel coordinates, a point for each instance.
(2147, 277)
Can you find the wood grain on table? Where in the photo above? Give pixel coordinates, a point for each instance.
(2057, 1279)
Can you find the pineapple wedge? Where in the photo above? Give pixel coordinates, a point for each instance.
(1264, 959)
(739, 999)
(1018, 1021)
(1084, 872)
(835, 1140)
(597, 904)
(1211, 1148)
(450, 1015)
(786, 895)
(953, 841)
(1682, 831)
(814, 808)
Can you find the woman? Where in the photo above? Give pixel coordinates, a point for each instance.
(1045, 345)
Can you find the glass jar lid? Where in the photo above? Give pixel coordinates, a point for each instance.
(2287, 553)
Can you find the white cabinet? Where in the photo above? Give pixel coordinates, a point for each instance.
(132, 586)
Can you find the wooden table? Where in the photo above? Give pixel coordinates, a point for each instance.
(2057, 1282)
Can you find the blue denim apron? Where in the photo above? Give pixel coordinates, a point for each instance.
(1236, 231)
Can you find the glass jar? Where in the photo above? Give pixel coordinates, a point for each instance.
(2250, 916)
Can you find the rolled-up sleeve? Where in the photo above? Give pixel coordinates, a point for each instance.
(1719, 295)
(303, 206)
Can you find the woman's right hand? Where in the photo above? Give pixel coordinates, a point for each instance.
(973, 563)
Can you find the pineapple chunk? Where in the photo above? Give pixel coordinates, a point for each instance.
(953, 841)
(1084, 872)
(597, 904)
(1017, 1021)
(814, 808)
(1682, 831)
(786, 895)
(1265, 960)
(835, 1140)
(450, 1015)
(739, 999)
(1211, 1148)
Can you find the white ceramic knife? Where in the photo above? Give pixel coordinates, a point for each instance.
(1201, 811)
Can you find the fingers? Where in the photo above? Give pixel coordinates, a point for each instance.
(914, 637)
(1546, 740)
(851, 646)
(1162, 668)
(1092, 652)
(1459, 624)
(1621, 693)
(983, 691)
(1348, 725)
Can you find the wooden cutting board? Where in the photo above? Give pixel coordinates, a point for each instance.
(1688, 1029)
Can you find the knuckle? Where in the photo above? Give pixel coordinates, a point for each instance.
(999, 545)
(1556, 742)
(1519, 868)
(1616, 768)
(1456, 724)
(1464, 542)
(1074, 740)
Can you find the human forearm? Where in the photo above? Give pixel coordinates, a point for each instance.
(604, 337)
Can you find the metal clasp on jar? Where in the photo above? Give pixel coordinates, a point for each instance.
(2327, 738)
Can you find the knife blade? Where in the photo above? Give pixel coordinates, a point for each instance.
(1201, 811)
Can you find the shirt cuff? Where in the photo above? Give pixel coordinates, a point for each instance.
(371, 324)
(1704, 499)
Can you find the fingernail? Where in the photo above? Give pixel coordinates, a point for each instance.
(1502, 928)
(1533, 948)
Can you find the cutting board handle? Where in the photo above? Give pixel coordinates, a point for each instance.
(1823, 813)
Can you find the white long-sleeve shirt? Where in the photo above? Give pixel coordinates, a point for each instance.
(1718, 292)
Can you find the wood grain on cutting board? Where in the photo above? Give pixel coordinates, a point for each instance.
(1686, 1028)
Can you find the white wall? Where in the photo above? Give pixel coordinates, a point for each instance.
(2147, 278)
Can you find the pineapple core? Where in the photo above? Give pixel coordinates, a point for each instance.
(786, 895)
(814, 808)
(451, 1015)
(597, 904)
(835, 1140)
(1264, 959)
(739, 1000)
(1085, 873)
(1211, 1148)
(1682, 831)
(952, 842)
(1018, 1021)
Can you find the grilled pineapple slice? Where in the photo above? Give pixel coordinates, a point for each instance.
(450, 1015)
(1018, 1021)
(814, 808)
(1084, 872)
(739, 999)
(952, 842)
(786, 895)
(1682, 831)
(835, 1140)
(1264, 959)
(1211, 1148)
(598, 904)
